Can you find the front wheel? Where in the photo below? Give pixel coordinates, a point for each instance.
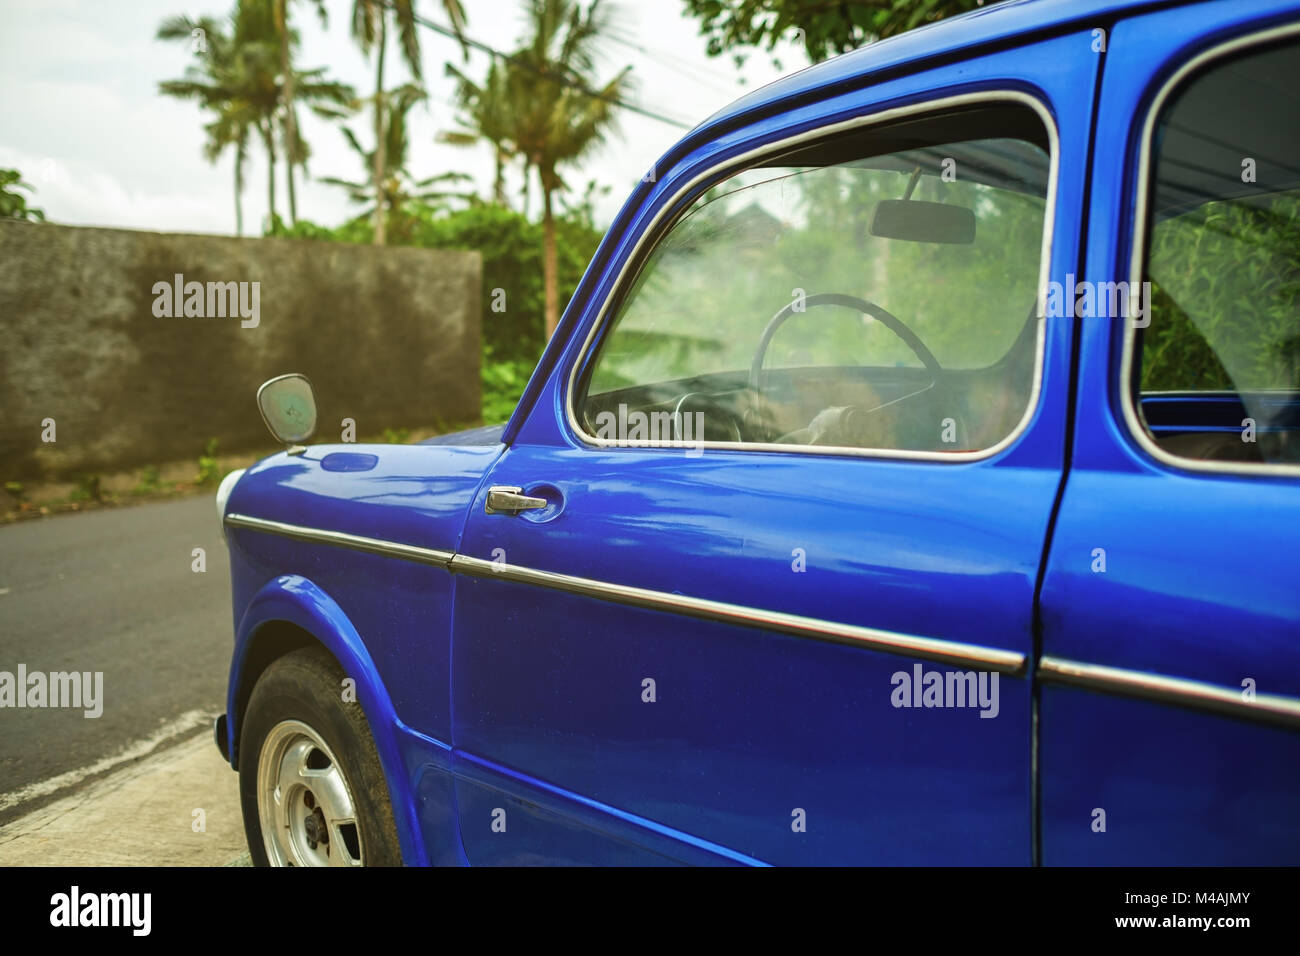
(310, 783)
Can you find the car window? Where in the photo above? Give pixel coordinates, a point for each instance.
(1217, 369)
(874, 291)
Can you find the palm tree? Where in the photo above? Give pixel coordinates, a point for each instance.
(294, 155)
(370, 30)
(387, 194)
(326, 98)
(258, 81)
(487, 114)
(561, 122)
(219, 85)
(240, 81)
(237, 81)
(262, 43)
(230, 129)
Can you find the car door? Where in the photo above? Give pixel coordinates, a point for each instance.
(1171, 614)
(756, 584)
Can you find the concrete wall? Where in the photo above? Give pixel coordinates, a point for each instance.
(388, 336)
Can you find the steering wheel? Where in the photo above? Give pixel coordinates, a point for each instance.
(886, 318)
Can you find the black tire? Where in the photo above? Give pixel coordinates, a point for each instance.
(307, 686)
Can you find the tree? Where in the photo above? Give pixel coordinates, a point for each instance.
(239, 79)
(564, 115)
(230, 129)
(294, 153)
(370, 30)
(487, 114)
(223, 82)
(326, 98)
(260, 42)
(13, 204)
(826, 27)
(388, 194)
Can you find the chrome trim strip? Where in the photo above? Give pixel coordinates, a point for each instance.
(1136, 261)
(355, 542)
(739, 163)
(1270, 708)
(1198, 695)
(926, 648)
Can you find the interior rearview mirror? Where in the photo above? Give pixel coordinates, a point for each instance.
(918, 221)
(288, 407)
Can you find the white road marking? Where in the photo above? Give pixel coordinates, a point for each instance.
(185, 722)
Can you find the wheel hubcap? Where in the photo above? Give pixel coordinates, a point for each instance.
(304, 805)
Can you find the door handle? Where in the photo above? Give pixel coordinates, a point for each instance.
(505, 499)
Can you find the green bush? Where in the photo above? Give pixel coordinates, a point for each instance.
(150, 481)
(208, 470)
(88, 489)
(503, 383)
(511, 246)
(1226, 297)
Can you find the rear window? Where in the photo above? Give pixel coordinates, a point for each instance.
(1217, 370)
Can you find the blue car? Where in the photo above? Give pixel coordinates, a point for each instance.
(913, 478)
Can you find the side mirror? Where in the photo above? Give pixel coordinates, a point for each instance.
(288, 407)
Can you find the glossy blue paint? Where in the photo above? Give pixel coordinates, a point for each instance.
(348, 461)
(747, 727)
(295, 600)
(889, 544)
(510, 718)
(546, 825)
(428, 782)
(1179, 788)
(1200, 577)
(414, 494)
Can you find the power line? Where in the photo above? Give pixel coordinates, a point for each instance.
(697, 71)
(515, 60)
(664, 62)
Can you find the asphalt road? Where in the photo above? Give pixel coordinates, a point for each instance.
(111, 591)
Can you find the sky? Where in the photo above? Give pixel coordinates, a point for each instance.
(82, 120)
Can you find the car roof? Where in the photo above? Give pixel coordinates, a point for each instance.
(995, 24)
